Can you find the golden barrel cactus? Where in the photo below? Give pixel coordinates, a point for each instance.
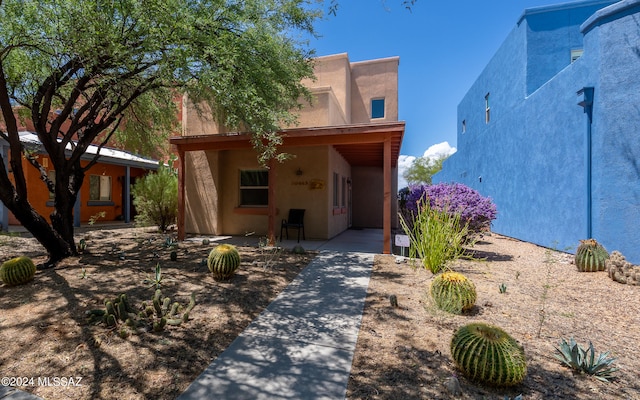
(591, 256)
(223, 261)
(453, 292)
(487, 354)
(17, 271)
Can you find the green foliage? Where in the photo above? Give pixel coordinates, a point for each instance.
(423, 168)
(502, 288)
(158, 279)
(591, 256)
(436, 236)
(487, 354)
(453, 292)
(223, 261)
(82, 245)
(91, 71)
(17, 271)
(155, 197)
(575, 357)
(150, 318)
(95, 217)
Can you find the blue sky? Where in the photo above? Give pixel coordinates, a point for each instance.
(443, 46)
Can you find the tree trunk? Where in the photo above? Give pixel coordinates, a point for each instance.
(57, 247)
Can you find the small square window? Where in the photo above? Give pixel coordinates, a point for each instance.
(377, 108)
(575, 54)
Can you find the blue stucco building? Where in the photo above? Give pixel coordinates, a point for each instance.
(551, 128)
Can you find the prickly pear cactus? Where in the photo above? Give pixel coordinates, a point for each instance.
(17, 271)
(487, 354)
(591, 256)
(453, 292)
(223, 261)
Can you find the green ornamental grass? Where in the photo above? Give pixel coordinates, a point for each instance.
(436, 236)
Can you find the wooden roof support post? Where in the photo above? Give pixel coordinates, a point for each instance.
(272, 203)
(181, 194)
(386, 213)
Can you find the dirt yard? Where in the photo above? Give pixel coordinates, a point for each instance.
(402, 353)
(44, 332)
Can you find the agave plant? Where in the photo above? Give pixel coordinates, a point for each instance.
(575, 357)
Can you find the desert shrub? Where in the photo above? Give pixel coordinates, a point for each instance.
(475, 210)
(435, 236)
(155, 197)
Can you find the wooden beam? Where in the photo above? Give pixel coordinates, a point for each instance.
(272, 211)
(181, 195)
(386, 212)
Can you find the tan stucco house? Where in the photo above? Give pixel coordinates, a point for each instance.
(343, 173)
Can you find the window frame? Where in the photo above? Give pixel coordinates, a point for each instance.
(51, 174)
(101, 187)
(375, 101)
(257, 187)
(575, 54)
(336, 188)
(487, 109)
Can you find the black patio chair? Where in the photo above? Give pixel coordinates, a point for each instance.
(295, 220)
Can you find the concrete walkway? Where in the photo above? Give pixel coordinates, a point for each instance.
(301, 346)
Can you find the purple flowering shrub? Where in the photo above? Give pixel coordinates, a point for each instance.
(474, 209)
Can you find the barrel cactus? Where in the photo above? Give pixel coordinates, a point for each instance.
(453, 292)
(223, 261)
(487, 354)
(591, 256)
(17, 271)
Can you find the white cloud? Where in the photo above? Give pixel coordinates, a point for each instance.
(434, 151)
(440, 149)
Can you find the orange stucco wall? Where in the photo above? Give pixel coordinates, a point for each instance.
(38, 194)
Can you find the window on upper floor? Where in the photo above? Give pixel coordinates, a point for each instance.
(464, 125)
(575, 54)
(254, 188)
(377, 108)
(487, 109)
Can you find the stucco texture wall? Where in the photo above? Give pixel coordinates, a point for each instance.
(616, 120)
(113, 209)
(531, 158)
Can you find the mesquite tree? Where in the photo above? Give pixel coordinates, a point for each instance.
(85, 71)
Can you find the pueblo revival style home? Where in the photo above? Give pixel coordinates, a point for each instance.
(549, 129)
(343, 172)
